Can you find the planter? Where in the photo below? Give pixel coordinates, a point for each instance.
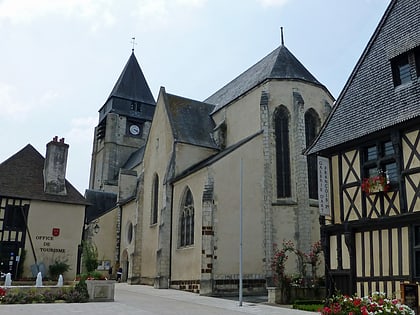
(101, 290)
(276, 295)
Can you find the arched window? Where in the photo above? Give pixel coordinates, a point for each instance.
(186, 220)
(155, 199)
(312, 124)
(281, 130)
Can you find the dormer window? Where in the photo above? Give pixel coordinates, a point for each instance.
(404, 65)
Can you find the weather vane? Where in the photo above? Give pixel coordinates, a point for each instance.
(133, 41)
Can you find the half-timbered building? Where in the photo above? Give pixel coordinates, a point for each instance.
(371, 227)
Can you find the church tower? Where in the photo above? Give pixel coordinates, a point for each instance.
(124, 122)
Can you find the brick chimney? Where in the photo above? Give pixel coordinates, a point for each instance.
(55, 167)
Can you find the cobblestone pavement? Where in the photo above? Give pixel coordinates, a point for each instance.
(145, 300)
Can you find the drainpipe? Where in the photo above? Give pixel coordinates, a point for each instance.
(170, 236)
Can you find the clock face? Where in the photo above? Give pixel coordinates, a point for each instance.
(135, 130)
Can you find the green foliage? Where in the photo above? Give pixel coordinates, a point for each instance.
(94, 275)
(308, 305)
(31, 296)
(90, 256)
(58, 268)
(77, 294)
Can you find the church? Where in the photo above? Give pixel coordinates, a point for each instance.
(178, 186)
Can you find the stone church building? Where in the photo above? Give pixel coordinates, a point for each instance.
(170, 178)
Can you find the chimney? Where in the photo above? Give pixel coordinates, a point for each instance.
(55, 167)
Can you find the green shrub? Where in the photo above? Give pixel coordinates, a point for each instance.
(90, 256)
(77, 294)
(58, 268)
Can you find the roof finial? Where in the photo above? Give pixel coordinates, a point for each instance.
(281, 34)
(133, 41)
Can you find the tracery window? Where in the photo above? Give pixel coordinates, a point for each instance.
(312, 125)
(186, 220)
(281, 131)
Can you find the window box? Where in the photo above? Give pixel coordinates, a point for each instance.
(375, 184)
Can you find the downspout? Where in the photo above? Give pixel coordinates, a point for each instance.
(170, 236)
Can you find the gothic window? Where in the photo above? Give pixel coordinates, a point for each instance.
(312, 125)
(281, 131)
(155, 198)
(186, 220)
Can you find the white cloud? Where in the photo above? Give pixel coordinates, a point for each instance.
(157, 14)
(81, 131)
(15, 107)
(25, 11)
(273, 3)
(10, 106)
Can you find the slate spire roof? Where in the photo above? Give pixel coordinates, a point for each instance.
(132, 84)
(131, 95)
(21, 176)
(280, 64)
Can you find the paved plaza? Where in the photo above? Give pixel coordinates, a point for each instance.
(145, 300)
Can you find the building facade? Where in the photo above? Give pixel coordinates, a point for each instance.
(41, 213)
(179, 199)
(372, 142)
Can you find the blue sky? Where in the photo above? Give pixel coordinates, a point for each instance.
(61, 58)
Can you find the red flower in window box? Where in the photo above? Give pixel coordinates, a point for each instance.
(376, 183)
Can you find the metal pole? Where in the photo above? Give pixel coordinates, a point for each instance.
(240, 235)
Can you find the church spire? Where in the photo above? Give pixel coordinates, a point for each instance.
(281, 35)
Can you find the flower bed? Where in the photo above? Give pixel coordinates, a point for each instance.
(377, 303)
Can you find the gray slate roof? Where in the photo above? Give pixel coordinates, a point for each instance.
(280, 64)
(21, 176)
(100, 203)
(132, 84)
(135, 159)
(190, 120)
(369, 101)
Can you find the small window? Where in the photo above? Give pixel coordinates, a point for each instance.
(129, 232)
(14, 218)
(155, 200)
(401, 70)
(381, 159)
(417, 60)
(371, 153)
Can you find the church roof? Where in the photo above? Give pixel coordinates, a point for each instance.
(135, 159)
(131, 95)
(100, 203)
(190, 120)
(280, 64)
(132, 84)
(370, 102)
(21, 176)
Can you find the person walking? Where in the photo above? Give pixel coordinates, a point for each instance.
(119, 274)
